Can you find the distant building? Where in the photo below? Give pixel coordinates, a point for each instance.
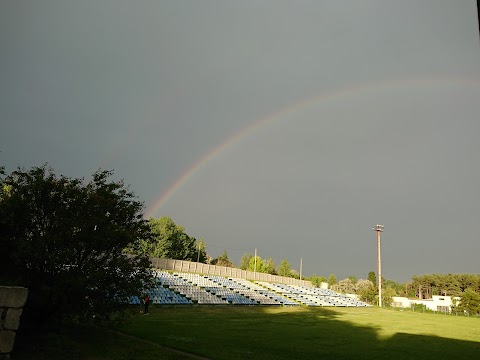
(436, 303)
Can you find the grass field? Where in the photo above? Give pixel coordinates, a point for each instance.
(275, 333)
(307, 333)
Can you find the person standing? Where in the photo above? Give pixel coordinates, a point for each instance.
(146, 301)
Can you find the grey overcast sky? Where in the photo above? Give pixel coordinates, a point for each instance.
(292, 127)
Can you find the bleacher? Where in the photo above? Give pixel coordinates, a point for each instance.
(180, 288)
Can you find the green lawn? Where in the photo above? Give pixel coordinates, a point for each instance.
(256, 332)
(307, 333)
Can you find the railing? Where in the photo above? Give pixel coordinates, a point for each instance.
(206, 269)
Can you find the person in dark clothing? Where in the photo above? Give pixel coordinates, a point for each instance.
(146, 301)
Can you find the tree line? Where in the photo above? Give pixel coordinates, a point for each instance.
(169, 240)
(463, 288)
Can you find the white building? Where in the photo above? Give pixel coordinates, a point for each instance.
(436, 303)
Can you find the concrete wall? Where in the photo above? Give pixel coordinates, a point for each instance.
(206, 269)
(12, 301)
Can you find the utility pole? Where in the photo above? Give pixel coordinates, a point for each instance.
(255, 265)
(198, 255)
(379, 229)
(300, 268)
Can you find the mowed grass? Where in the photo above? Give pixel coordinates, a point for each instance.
(308, 333)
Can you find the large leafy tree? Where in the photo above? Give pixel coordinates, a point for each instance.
(257, 264)
(366, 290)
(285, 269)
(170, 241)
(245, 261)
(63, 238)
(469, 302)
(346, 286)
(270, 266)
(387, 296)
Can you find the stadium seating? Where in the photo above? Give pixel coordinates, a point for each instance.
(187, 289)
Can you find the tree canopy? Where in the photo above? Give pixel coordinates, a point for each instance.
(285, 268)
(245, 261)
(257, 264)
(222, 260)
(317, 280)
(63, 238)
(366, 290)
(332, 280)
(469, 302)
(424, 286)
(169, 240)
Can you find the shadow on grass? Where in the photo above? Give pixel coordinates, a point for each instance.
(227, 332)
(291, 333)
(74, 342)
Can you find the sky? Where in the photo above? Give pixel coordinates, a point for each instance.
(291, 128)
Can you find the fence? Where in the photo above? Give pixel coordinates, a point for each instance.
(206, 269)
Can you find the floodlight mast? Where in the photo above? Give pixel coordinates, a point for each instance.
(379, 229)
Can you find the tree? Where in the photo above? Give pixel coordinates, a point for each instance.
(284, 268)
(64, 240)
(469, 302)
(424, 286)
(393, 285)
(270, 267)
(353, 278)
(346, 286)
(294, 274)
(201, 249)
(387, 296)
(332, 280)
(366, 290)
(222, 260)
(169, 241)
(6, 252)
(372, 277)
(258, 266)
(245, 261)
(317, 280)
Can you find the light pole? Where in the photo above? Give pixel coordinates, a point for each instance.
(301, 268)
(379, 229)
(255, 265)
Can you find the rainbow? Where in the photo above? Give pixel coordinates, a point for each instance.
(287, 110)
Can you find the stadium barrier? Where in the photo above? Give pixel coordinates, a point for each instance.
(207, 269)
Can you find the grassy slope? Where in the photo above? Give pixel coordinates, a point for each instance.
(287, 333)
